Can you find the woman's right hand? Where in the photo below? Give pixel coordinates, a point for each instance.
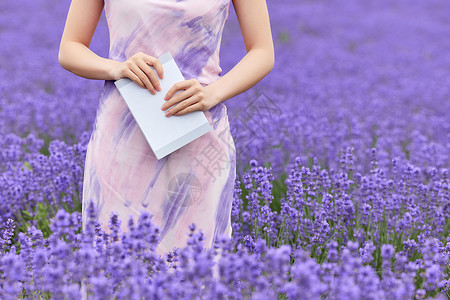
(137, 68)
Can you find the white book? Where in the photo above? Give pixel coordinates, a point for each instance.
(164, 134)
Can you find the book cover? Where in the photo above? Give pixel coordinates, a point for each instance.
(164, 134)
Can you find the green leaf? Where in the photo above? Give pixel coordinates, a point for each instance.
(284, 37)
(27, 165)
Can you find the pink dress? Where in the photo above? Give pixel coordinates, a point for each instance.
(191, 185)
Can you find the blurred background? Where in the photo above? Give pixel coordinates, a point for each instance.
(349, 76)
(354, 122)
(347, 73)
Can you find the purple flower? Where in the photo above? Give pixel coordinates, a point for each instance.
(387, 251)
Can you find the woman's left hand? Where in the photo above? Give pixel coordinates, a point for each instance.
(193, 97)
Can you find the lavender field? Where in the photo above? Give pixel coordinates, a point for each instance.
(343, 184)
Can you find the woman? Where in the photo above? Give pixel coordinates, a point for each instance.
(121, 172)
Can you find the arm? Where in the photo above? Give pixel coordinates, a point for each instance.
(76, 57)
(74, 53)
(254, 22)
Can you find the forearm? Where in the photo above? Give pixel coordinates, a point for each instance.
(253, 67)
(80, 60)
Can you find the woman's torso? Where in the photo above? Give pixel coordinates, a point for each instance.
(190, 29)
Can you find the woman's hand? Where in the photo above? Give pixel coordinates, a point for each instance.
(138, 69)
(193, 97)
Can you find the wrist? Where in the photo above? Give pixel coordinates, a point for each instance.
(214, 94)
(114, 70)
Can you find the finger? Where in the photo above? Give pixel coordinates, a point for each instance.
(183, 94)
(177, 98)
(194, 106)
(185, 84)
(156, 64)
(134, 77)
(143, 77)
(150, 74)
(183, 105)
